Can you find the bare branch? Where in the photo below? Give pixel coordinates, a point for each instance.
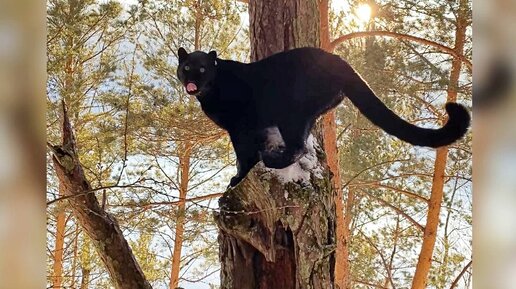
(371, 167)
(454, 283)
(83, 193)
(398, 210)
(405, 192)
(384, 261)
(181, 200)
(369, 284)
(440, 47)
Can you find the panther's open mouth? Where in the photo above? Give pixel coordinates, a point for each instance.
(191, 88)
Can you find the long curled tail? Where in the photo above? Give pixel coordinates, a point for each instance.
(361, 95)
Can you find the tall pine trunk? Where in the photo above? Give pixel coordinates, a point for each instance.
(184, 166)
(329, 127)
(75, 255)
(57, 267)
(434, 205)
(274, 234)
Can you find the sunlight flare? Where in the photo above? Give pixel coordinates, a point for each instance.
(363, 12)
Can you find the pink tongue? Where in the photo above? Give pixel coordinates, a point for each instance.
(191, 87)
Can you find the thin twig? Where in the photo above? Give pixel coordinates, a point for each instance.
(398, 210)
(454, 283)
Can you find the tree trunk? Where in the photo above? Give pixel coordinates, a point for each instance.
(330, 148)
(184, 166)
(100, 226)
(75, 255)
(443, 268)
(197, 25)
(57, 275)
(274, 233)
(278, 25)
(434, 205)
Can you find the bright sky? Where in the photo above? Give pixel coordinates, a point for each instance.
(362, 12)
(339, 5)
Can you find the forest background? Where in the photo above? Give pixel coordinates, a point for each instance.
(158, 164)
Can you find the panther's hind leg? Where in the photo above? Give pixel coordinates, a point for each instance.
(294, 132)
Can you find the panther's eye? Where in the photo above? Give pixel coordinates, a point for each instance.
(187, 67)
(202, 70)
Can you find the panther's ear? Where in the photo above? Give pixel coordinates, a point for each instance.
(182, 54)
(213, 54)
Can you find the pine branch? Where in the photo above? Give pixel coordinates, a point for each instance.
(440, 47)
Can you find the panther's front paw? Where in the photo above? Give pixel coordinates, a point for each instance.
(234, 181)
(276, 160)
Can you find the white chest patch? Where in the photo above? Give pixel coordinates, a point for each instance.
(274, 140)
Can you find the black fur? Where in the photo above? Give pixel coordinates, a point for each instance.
(290, 90)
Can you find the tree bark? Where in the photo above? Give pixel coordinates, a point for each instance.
(101, 227)
(75, 255)
(184, 166)
(329, 125)
(434, 205)
(57, 275)
(274, 234)
(278, 25)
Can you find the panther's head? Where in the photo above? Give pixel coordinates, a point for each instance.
(196, 70)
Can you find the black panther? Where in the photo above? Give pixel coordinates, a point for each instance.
(288, 91)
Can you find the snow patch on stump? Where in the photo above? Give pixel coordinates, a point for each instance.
(301, 170)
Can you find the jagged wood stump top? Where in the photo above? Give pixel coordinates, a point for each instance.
(277, 227)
